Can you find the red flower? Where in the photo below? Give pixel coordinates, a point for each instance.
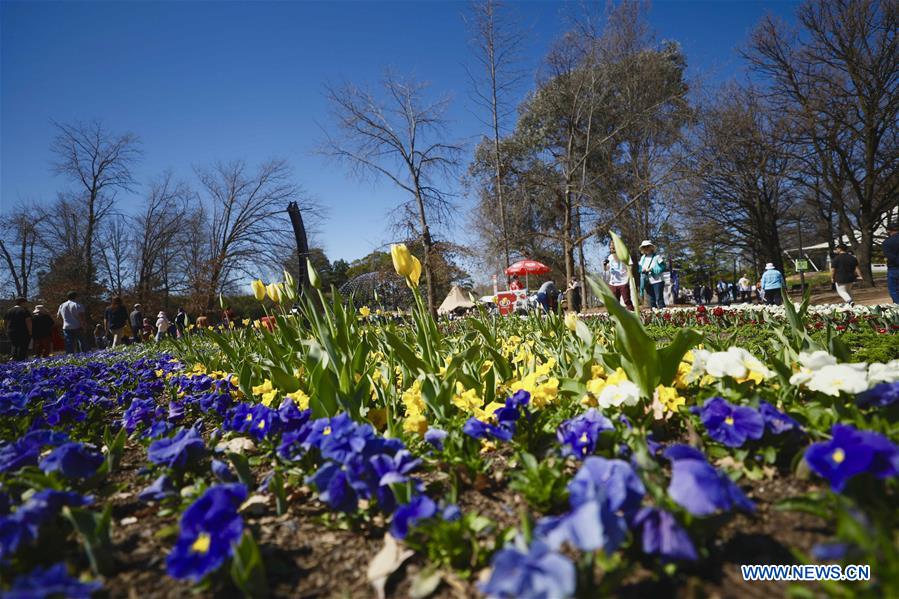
(700, 309)
(719, 311)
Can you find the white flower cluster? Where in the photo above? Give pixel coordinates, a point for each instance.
(736, 363)
(819, 371)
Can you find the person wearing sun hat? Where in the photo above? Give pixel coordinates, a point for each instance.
(772, 285)
(652, 265)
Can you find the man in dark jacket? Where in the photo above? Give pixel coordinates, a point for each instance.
(136, 320)
(891, 251)
(18, 329)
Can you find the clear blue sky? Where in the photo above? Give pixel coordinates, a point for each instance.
(205, 81)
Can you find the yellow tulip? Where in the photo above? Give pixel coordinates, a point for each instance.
(571, 321)
(274, 292)
(415, 275)
(402, 259)
(258, 290)
(620, 249)
(314, 280)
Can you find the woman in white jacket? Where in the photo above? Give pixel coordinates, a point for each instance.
(162, 326)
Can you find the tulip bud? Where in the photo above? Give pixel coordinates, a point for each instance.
(415, 275)
(402, 259)
(221, 301)
(314, 279)
(274, 292)
(620, 249)
(571, 321)
(258, 290)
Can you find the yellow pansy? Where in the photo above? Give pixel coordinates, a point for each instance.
(300, 399)
(364, 311)
(466, 400)
(265, 387)
(269, 397)
(669, 398)
(415, 423)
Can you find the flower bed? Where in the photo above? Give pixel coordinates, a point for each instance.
(334, 453)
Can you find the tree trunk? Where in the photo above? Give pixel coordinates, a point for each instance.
(427, 243)
(863, 254)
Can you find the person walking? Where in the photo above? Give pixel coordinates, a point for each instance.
(745, 287)
(181, 322)
(844, 272)
(772, 285)
(162, 326)
(619, 278)
(652, 265)
(41, 332)
(115, 318)
(697, 295)
(707, 294)
(71, 313)
(891, 251)
(136, 319)
(721, 292)
(18, 329)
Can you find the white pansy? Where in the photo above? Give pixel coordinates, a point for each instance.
(816, 360)
(726, 363)
(624, 393)
(697, 370)
(883, 373)
(837, 378)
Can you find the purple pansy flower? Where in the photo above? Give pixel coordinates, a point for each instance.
(661, 534)
(73, 460)
(407, 515)
(729, 424)
(53, 581)
(881, 395)
(700, 488)
(178, 451)
(435, 437)
(536, 572)
(851, 452)
(578, 436)
(776, 421)
(210, 528)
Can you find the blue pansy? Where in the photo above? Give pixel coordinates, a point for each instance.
(851, 452)
(880, 395)
(396, 469)
(210, 527)
(578, 436)
(13, 403)
(178, 451)
(698, 487)
(53, 581)
(478, 430)
(662, 535)
(160, 489)
(222, 471)
(776, 421)
(23, 526)
(730, 424)
(73, 460)
(590, 526)
(435, 437)
(613, 481)
(407, 515)
(536, 572)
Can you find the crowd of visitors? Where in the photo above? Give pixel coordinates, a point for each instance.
(37, 331)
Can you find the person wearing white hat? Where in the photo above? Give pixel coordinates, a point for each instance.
(652, 265)
(162, 326)
(772, 285)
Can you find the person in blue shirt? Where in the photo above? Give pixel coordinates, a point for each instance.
(651, 266)
(773, 284)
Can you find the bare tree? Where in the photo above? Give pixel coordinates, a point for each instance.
(399, 137)
(247, 224)
(113, 246)
(99, 164)
(496, 46)
(160, 231)
(19, 237)
(839, 81)
(745, 174)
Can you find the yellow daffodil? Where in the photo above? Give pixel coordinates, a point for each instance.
(258, 290)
